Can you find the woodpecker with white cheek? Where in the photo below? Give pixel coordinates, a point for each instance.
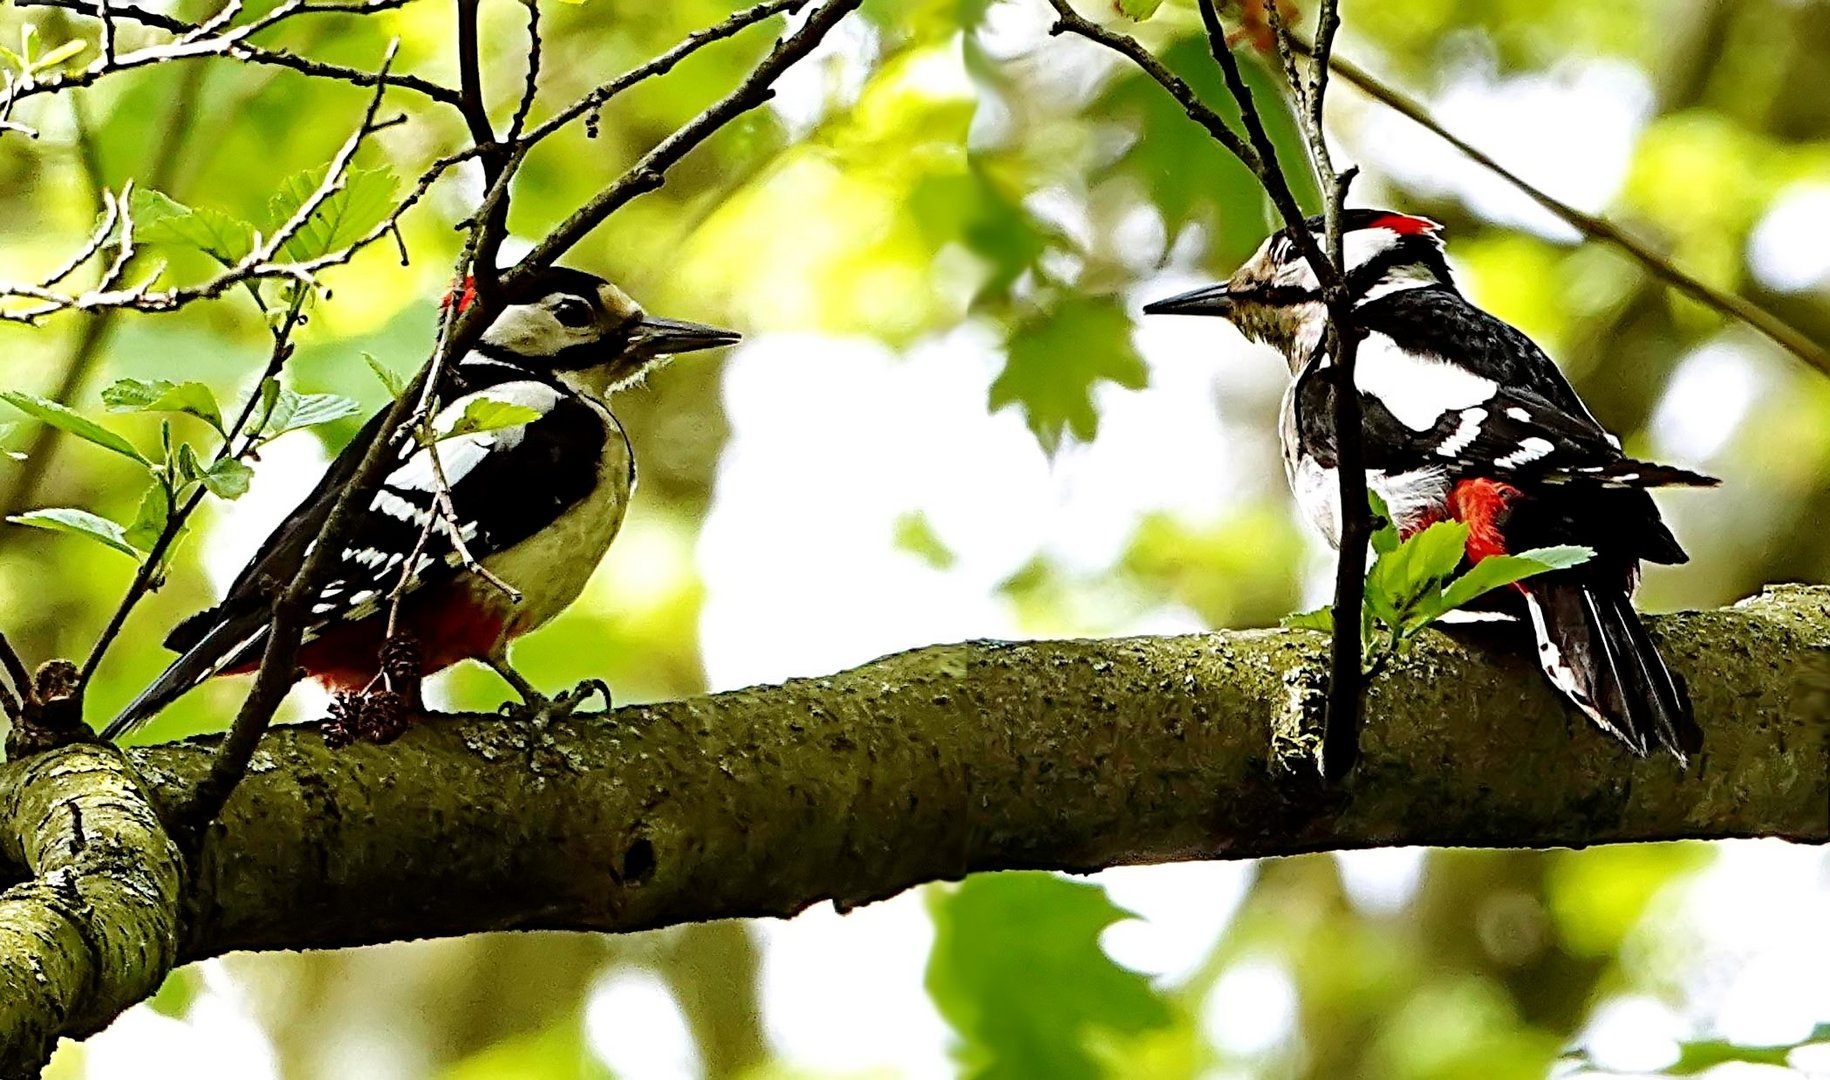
(1464, 418)
(537, 504)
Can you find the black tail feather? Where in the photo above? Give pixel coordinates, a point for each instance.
(1594, 648)
(210, 650)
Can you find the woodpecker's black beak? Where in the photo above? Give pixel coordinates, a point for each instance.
(1207, 300)
(664, 337)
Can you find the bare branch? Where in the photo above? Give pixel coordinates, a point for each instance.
(202, 41)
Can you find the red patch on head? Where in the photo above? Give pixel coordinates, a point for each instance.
(1405, 224)
(464, 297)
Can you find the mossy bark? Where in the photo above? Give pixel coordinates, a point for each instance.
(920, 766)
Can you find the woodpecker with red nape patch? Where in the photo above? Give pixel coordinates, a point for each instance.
(1464, 418)
(536, 504)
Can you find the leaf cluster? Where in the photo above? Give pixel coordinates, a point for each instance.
(1412, 582)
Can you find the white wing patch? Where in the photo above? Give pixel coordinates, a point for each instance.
(1465, 434)
(1530, 449)
(1415, 387)
(460, 454)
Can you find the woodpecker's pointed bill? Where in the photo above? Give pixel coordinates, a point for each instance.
(1466, 419)
(1207, 300)
(668, 337)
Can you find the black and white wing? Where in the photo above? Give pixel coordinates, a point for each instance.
(505, 484)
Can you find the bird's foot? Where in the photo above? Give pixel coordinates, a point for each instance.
(537, 706)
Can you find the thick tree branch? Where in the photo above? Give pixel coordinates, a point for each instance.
(924, 765)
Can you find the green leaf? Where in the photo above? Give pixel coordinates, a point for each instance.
(1055, 359)
(7, 430)
(228, 478)
(915, 534)
(1017, 970)
(367, 197)
(190, 470)
(160, 219)
(1385, 533)
(1321, 618)
(390, 379)
(67, 419)
(159, 395)
(1138, 9)
(81, 523)
(59, 55)
(149, 524)
(488, 414)
(291, 411)
(1497, 571)
(1419, 565)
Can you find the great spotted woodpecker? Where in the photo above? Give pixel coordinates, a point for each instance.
(1465, 418)
(537, 504)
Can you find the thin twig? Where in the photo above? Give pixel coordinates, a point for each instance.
(21, 679)
(647, 174)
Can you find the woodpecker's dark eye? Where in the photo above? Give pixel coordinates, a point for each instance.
(572, 312)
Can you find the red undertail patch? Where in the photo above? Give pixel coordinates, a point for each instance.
(1480, 504)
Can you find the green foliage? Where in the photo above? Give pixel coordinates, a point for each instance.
(390, 379)
(915, 534)
(69, 420)
(160, 219)
(345, 216)
(1056, 358)
(28, 62)
(1018, 972)
(487, 414)
(80, 523)
(287, 411)
(1138, 9)
(158, 395)
(1412, 582)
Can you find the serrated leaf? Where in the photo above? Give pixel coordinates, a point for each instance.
(160, 219)
(228, 478)
(81, 523)
(489, 414)
(149, 524)
(69, 420)
(1137, 9)
(1419, 565)
(389, 377)
(366, 198)
(190, 469)
(315, 409)
(1321, 618)
(1055, 359)
(159, 395)
(1497, 571)
(292, 411)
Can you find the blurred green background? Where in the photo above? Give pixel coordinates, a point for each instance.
(948, 422)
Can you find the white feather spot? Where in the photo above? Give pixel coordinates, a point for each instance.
(1518, 414)
(398, 508)
(1530, 449)
(1465, 434)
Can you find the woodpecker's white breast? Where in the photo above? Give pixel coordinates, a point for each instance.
(550, 568)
